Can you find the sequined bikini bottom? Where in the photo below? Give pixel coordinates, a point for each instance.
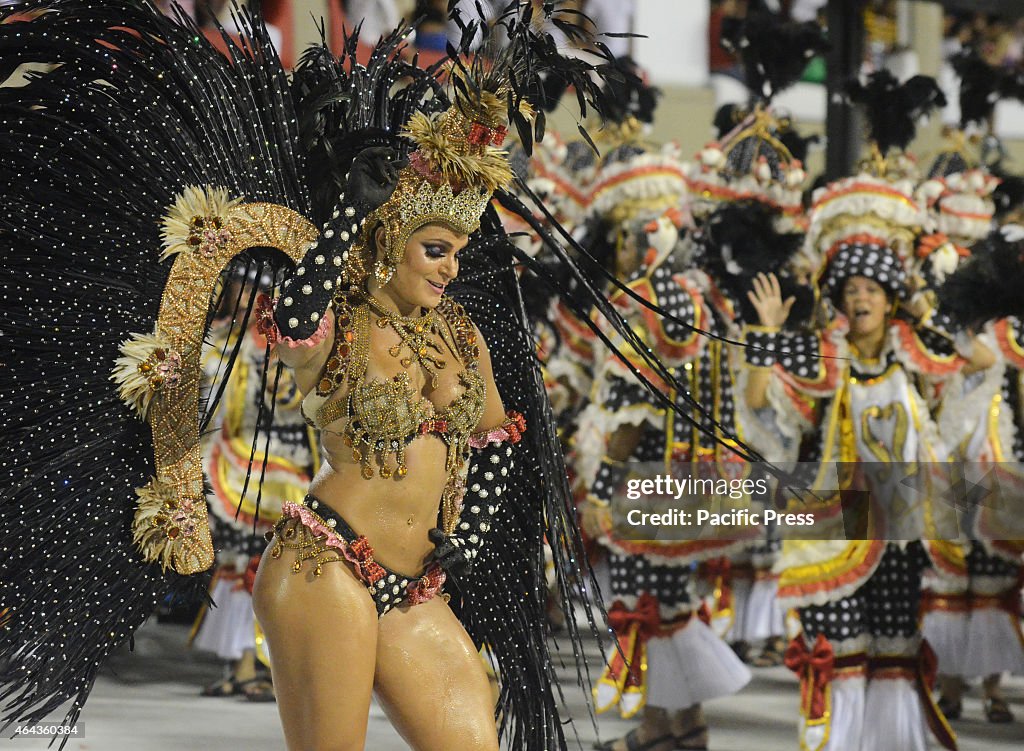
(323, 536)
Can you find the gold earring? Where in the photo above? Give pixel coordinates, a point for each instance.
(383, 273)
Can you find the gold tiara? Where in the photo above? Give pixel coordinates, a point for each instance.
(428, 204)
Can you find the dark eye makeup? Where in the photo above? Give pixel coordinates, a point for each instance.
(439, 251)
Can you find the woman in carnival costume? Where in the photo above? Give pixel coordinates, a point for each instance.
(281, 468)
(754, 172)
(371, 204)
(668, 659)
(971, 604)
(973, 612)
(865, 673)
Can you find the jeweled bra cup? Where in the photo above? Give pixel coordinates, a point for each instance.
(385, 416)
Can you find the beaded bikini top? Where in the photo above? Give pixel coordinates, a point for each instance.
(384, 415)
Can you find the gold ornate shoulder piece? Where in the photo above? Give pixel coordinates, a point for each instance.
(158, 373)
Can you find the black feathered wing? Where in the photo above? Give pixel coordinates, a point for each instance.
(96, 149)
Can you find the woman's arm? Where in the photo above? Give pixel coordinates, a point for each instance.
(766, 298)
(494, 411)
(490, 463)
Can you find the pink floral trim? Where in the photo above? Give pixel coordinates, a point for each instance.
(315, 523)
(511, 430)
(427, 586)
(318, 336)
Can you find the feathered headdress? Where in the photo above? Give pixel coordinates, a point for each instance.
(773, 51)
(752, 160)
(893, 108)
(959, 189)
(456, 162)
(879, 201)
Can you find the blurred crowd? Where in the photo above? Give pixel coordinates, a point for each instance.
(999, 40)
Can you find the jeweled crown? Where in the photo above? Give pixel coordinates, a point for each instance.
(429, 204)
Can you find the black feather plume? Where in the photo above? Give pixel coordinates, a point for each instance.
(519, 56)
(628, 94)
(1008, 195)
(981, 86)
(774, 52)
(727, 117)
(988, 285)
(95, 149)
(344, 107)
(739, 241)
(893, 108)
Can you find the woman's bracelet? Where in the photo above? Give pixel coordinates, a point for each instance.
(761, 344)
(267, 326)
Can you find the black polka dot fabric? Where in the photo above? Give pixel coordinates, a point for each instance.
(893, 593)
(624, 393)
(761, 346)
(980, 563)
(674, 300)
(633, 575)
(885, 606)
(936, 341)
(713, 390)
(842, 619)
(877, 262)
(1011, 389)
(799, 353)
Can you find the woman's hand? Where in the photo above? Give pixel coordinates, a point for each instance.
(373, 176)
(766, 297)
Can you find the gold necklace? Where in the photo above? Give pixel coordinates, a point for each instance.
(414, 333)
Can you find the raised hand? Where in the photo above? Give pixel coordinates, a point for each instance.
(373, 176)
(766, 297)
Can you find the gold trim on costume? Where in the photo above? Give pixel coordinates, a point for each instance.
(171, 524)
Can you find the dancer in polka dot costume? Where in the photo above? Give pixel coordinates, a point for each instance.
(865, 672)
(971, 604)
(701, 278)
(671, 660)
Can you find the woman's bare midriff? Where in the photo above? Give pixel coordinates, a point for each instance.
(395, 514)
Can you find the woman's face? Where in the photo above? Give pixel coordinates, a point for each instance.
(431, 261)
(865, 304)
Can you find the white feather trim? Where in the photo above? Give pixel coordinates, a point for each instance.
(180, 231)
(147, 365)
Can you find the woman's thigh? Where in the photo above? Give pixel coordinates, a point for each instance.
(431, 680)
(322, 634)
